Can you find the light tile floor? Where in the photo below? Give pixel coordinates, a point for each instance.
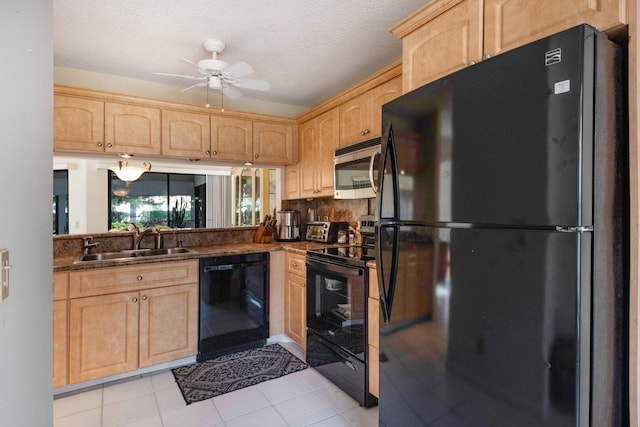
(304, 398)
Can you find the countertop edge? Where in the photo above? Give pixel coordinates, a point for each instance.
(66, 263)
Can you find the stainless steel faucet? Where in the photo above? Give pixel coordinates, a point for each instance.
(138, 235)
(88, 244)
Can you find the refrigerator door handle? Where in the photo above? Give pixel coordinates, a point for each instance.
(387, 290)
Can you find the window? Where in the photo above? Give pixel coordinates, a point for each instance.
(60, 202)
(158, 199)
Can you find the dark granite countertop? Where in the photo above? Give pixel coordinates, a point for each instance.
(66, 263)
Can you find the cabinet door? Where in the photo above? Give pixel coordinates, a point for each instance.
(380, 95)
(132, 129)
(272, 143)
(78, 124)
(292, 182)
(512, 23)
(308, 159)
(231, 139)
(295, 300)
(168, 324)
(60, 329)
(60, 343)
(355, 122)
(328, 131)
(103, 336)
(186, 135)
(448, 40)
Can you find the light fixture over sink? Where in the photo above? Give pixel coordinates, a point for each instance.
(129, 173)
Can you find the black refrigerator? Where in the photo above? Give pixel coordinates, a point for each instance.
(502, 242)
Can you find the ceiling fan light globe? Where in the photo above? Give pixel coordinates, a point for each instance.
(215, 83)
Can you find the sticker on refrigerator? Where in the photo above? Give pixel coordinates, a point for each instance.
(553, 57)
(562, 87)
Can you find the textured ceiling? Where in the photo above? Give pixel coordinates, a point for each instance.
(309, 50)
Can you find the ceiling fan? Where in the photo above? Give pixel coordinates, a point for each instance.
(218, 75)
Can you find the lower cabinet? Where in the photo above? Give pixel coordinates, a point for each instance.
(122, 329)
(373, 333)
(60, 329)
(295, 298)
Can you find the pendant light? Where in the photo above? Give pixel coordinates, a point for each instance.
(129, 173)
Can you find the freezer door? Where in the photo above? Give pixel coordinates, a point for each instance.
(484, 326)
(508, 141)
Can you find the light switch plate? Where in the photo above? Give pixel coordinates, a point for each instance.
(4, 272)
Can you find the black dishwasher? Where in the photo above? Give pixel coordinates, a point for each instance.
(234, 307)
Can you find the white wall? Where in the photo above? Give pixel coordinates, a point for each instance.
(26, 79)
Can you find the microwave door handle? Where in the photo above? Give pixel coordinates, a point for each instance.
(372, 160)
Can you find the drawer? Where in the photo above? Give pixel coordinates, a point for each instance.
(102, 281)
(60, 286)
(296, 264)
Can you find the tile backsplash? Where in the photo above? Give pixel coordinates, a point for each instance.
(334, 209)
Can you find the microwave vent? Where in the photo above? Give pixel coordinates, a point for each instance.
(359, 146)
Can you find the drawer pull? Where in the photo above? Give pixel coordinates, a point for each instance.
(139, 278)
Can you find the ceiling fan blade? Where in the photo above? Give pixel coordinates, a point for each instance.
(252, 84)
(182, 75)
(188, 61)
(231, 92)
(202, 84)
(237, 70)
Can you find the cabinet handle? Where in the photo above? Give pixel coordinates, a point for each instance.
(486, 56)
(109, 145)
(144, 297)
(303, 284)
(472, 62)
(135, 299)
(364, 132)
(139, 278)
(207, 152)
(257, 155)
(215, 153)
(99, 144)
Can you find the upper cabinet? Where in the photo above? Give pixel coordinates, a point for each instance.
(78, 124)
(440, 38)
(186, 134)
(318, 141)
(131, 129)
(273, 143)
(231, 139)
(360, 118)
(99, 122)
(447, 35)
(512, 23)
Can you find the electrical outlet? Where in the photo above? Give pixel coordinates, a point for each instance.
(4, 273)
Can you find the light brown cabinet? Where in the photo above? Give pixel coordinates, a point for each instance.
(318, 140)
(509, 24)
(447, 35)
(292, 182)
(125, 318)
(360, 118)
(231, 139)
(273, 143)
(295, 298)
(131, 129)
(373, 333)
(186, 134)
(60, 329)
(78, 124)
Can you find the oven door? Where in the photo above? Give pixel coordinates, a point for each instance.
(336, 302)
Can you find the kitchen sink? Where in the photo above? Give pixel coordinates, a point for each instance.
(130, 254)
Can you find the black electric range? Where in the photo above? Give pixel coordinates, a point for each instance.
(351, 255)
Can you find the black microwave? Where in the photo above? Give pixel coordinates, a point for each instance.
(355, 170)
